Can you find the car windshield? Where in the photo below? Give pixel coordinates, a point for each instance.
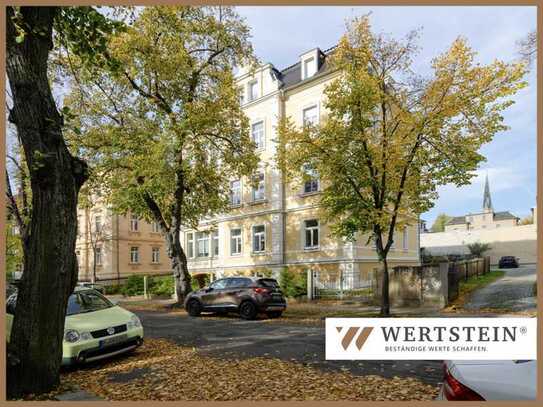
(87, 301)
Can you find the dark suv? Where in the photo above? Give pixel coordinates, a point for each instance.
(246, 295)
(508, 262)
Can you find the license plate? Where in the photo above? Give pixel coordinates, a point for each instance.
(113, 340)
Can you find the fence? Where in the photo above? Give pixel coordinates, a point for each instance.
(463, 270)
(340, 284)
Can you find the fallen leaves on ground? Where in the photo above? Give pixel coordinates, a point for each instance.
(162, 370)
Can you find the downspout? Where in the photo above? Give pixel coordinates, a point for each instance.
(117, 249)
(283, 189)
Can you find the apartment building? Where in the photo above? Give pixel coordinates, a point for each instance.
(111, 247)
(272, 224)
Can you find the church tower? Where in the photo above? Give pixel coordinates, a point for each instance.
(487, 201)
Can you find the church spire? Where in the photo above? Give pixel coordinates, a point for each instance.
(487, 201)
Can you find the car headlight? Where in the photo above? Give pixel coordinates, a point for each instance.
(71, 335)
(134, 322)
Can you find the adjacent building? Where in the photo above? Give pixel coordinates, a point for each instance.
(271, 224)
(487, 219)
(111, 247)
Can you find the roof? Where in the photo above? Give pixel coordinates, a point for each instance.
(292, 74)
(504, 215)
(457, 220)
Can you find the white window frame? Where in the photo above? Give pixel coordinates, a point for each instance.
(98, 223)
(134, 223)
(405, 238)
(98, 256)
(262, 137)
(317, 115)
(239, 194)
(235, 241)
(155, 227)
(262, 238)
(250, 95)
(202, 237)
(312, 230)
(260, 188)
(155, 255)
(241, 95)
(191, 247)
(313, 181)
(306, 72)
(215, 248)
(134, 255)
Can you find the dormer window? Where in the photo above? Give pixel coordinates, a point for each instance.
(253, 90)
(310, 67)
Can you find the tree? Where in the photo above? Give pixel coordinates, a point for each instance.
(390, 138)
(440, 222)
(478, 249)
(164, 129)
(528, 220)
(48, 240)
(527, 47)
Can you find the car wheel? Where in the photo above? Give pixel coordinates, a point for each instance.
(247, 310)
(194, 308)
(274, 314)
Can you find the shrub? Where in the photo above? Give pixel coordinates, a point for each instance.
(478, 248)
(162, 286)
(133, 286)
(293, 284)
(112, 289)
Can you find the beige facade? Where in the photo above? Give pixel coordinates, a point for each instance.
(112, 247)
(278, 225)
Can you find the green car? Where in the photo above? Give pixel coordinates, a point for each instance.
(95, 328)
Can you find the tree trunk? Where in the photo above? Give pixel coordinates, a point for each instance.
(385, 299)
(179, 266)
(50, 264)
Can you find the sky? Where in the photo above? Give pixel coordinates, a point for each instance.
(282, 34)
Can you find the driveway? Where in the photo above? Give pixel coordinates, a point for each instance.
(514, 291)
(231, 337)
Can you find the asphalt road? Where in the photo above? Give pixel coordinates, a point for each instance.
(230, 337)
(514, 291)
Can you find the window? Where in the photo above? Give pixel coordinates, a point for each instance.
(134, 254)
(219, 284)
(97, 223)
(241, 96)
(311, 184)
(405, 238)
(259, 238)
(258, 189)
(155, 228)
(155, 255)
(235, 241)
(190, 244)
(134, 223)
(235, 192)
(215, 242)
(253, 90)
(257, 134)
(311, 234)
(238, 282)
(310, 115)
(310, 67)
(202, 244)
(98, 256)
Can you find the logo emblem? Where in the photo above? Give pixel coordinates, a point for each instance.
(351, 333)
(110, 330)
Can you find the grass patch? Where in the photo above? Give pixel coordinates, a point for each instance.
(474, 283)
